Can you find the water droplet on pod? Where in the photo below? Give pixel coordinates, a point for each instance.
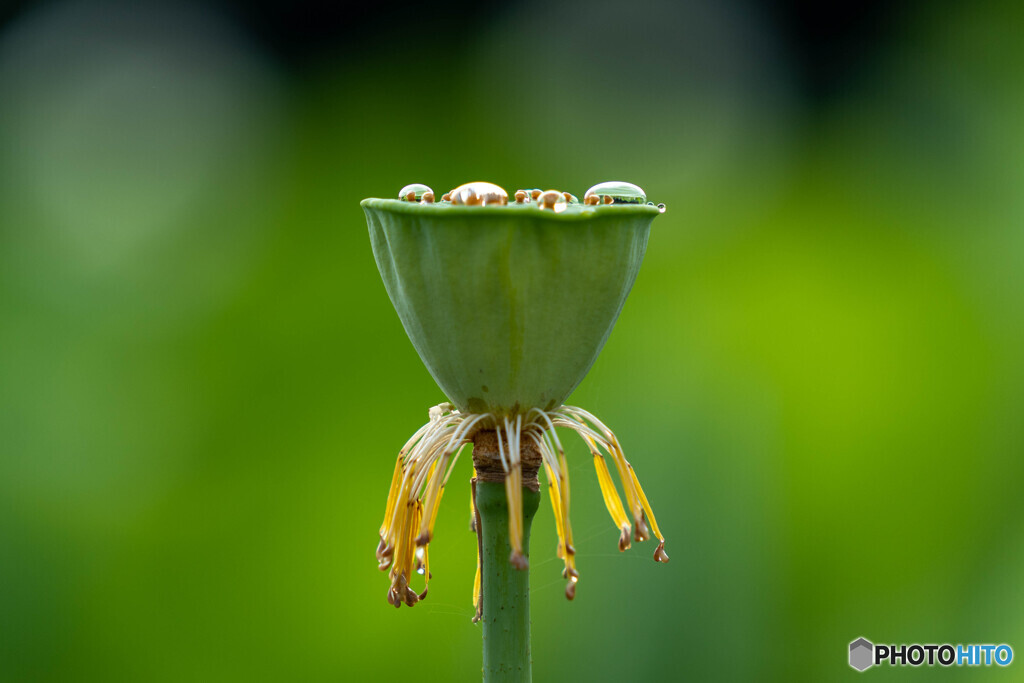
(552, 200)
(570, 198)
(478, 194)
(661, 208)
(416, 192)
(614, 192)
(523, 197)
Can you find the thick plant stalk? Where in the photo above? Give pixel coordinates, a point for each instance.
(504, 546)
(505, 590)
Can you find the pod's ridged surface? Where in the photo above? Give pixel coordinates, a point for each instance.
(508, 307)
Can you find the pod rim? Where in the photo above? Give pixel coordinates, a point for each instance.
(572, 212)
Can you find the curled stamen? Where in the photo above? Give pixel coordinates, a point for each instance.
(428, 459)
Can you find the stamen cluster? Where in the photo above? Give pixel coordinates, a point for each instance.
(427, 460)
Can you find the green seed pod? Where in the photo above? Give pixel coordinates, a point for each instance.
(507, 305)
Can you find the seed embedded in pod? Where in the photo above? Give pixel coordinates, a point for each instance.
(552, 200)
(478, 194)
(614, 192)
(416, 192)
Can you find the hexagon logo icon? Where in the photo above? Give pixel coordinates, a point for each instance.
(862, 654)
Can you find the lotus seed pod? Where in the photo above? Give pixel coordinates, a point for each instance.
(508, 308)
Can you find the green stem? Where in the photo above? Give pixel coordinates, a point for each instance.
(505, 590)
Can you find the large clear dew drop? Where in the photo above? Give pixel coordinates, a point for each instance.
(618, 191)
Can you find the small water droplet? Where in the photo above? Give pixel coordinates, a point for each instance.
(479, 194)
(552, 200)
(614, 192)
(570, 198)
(415, 192)
(522, 197)
(661, 208)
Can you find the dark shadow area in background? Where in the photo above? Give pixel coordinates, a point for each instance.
(832, 44)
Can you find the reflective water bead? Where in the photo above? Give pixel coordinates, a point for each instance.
(415, 192)
(614, 192)
(522, 197)
(552, 200)
(570, 198)
(479, 194)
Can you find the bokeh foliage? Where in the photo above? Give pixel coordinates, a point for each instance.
(818, 374)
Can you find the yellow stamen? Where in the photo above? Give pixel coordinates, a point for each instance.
(635, 506)
(396, 483)
(432, 500)
(477, 605)
(556, 509)
(514, 493)
(611, 497)
(563, 481)
(659, 552)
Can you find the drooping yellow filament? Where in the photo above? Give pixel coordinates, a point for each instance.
(477, 605)
(640, 532)
(396, 484)
(659, 553)
(556, 509)
(611, 499)
(514, 494)
(432, 500)
(428, 459)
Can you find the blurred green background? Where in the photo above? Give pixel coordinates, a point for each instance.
(203, 385)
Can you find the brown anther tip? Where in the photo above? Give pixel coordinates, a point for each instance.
(569, 548)
(520, 196)
(519, 561)
(428, 197)
(640, 531)
(410, 597)
(384, 565)
(570, 590)
(423, 595)
(423, 539)
(624, 543)
(659, 553)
